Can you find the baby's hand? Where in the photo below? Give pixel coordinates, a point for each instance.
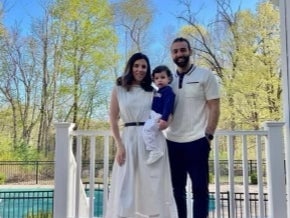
(162, 124)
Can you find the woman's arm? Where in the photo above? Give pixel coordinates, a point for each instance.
(114, 118)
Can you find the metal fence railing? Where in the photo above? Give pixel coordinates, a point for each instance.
(27, 172)
(23, 204)
(42, 172)
(39, 203)
(239, 205)
(26, 204)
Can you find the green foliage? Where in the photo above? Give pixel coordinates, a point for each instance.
(211, 178)
(252, 81)
(25, 152)
(2, 178)
(88, 52)
(6, 147)
(40, 214)
(21, 151)
(247, 54)
(254, 179)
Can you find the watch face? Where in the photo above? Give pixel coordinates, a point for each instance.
(209, 136)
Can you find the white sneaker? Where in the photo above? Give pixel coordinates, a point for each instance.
(154, 156)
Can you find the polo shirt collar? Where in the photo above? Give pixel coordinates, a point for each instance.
(190, 70)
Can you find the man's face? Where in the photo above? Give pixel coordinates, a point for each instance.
(180, 54)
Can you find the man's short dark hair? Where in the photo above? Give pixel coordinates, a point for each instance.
(181, 39)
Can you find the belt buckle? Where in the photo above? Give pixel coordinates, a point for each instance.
(138, 124)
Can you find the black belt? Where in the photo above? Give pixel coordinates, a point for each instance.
(134, 124)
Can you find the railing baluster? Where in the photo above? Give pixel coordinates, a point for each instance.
(92, 174)
(189, 197)
(106, 172)
(231, 176)
(78, 175)
(217, 176)
(260, 176)
(245, 176)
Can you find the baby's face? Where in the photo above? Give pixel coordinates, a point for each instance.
(161, 79)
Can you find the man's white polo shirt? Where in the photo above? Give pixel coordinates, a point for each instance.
(190, 112)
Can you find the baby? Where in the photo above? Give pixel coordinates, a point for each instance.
(162, 108)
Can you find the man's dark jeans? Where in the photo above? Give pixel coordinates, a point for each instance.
(190, 158)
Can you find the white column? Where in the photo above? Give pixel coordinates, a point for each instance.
(62, 205)
(275, 170)
(284, 6)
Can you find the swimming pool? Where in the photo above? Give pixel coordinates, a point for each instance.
(19, 203)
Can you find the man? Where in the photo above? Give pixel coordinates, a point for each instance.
(195, 119)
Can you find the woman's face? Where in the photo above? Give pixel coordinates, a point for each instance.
(139, 70)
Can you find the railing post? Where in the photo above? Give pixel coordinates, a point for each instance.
(106, 172)
(37, 171)
(275, 170)
(62, 206)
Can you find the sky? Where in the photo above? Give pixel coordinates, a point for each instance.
(23, 11)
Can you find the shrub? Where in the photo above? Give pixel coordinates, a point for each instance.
(211, 178)
(2, 178)
(40, 214)
(254, 179)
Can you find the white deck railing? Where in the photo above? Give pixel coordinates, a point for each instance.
(268, 145)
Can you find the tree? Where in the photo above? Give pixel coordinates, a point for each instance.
(57, 72)
(135, 17)
(246, 59)
(87, 44)
(19, 84)
(41, 35)
(254, 83)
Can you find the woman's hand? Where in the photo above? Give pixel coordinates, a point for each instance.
(121, 154)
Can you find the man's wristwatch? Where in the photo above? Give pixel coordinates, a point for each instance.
(209, 136)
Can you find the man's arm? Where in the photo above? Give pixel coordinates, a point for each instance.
(214, 113)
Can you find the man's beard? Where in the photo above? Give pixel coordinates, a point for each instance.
(183, 63)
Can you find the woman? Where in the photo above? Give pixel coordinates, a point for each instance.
(137, 190)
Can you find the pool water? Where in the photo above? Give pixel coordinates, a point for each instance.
(98, 202)
(16, 203)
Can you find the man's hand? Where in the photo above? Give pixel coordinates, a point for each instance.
(162, 124)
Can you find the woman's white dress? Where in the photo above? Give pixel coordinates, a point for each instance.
(139, 190)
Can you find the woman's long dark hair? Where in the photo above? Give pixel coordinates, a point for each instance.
(127, 79)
